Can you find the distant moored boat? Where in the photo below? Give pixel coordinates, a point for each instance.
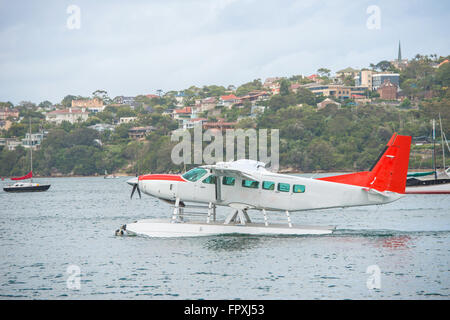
(431, 182)
(26, 186)
(109, 176)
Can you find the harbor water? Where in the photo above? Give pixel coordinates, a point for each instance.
(60, 244)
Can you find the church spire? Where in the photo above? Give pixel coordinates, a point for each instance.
(399, 52)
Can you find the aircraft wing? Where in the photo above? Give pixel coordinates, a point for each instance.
(244, 169)
(229, 172)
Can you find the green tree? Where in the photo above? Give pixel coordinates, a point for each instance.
(8, 104)
(383, 65)
(45, 104)
(17, 130)
(102, 95)
(284, 87)
(443, 75)
(67, 100)
(248, 87)
(324, 72)
(305, 96)
(125, 112)
(406, 103)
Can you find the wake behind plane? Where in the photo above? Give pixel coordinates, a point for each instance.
(246, 185)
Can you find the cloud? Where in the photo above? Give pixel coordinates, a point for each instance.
(136, 47)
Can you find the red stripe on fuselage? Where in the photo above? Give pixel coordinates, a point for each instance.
(166, 177)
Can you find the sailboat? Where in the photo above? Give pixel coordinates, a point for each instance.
(431, 182)
(27, 186)
(109, 176)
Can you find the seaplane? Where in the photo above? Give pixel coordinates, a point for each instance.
(246, 185)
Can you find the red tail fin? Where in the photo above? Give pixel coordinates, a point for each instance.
(388, 173)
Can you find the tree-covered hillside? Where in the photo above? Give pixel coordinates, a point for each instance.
(330, 139)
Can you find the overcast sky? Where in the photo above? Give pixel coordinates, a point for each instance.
(136, 47)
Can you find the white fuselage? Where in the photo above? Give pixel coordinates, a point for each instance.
(317, 194)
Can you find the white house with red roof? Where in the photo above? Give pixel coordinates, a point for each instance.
(273, 84)
(254, 96)
(182, 111)
(72, 115)
(315, 78)
(228, 100)
(182, 114)
(191, 123)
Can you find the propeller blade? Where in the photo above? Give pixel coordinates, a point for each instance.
(139, 191)
(132, 191)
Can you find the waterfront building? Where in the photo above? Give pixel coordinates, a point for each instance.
(334, 90)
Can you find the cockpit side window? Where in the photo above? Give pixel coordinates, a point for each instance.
(194, 174)
(210, 180)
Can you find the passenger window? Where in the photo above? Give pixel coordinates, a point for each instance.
(228, 181)
(298, 188)
(268, 185)
(284, 187)
(210, 180)
(250, 184)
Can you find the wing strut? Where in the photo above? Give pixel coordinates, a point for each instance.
(218, 187)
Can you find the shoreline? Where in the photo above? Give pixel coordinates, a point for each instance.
(119, 175)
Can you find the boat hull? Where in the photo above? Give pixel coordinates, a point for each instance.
(40, 188)
(429, 186)
(429, 189)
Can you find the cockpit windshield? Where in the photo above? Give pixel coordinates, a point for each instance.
(194, 174)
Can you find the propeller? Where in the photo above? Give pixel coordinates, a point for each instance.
(134, 189)
(134, 182)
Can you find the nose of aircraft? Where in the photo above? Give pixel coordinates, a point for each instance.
(133, 181)
(158, 185)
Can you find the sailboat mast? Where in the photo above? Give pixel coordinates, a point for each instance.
(443, 147)
(31, 151)
(434, 149)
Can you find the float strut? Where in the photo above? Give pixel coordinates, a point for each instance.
(289, 219)
(265, 218)
(231, 217)
(210, 209)
(176, 210)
